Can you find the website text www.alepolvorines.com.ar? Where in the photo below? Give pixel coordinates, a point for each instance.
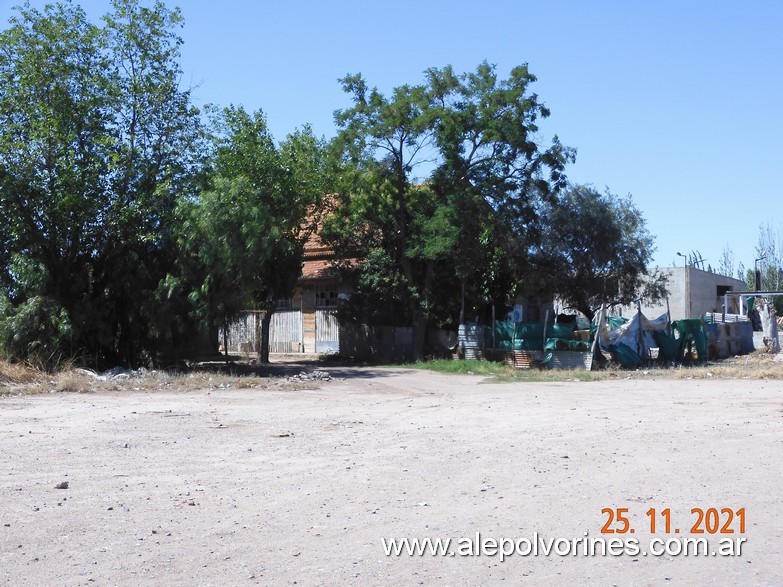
(537, 545)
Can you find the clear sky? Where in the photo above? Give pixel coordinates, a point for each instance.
(677, 103)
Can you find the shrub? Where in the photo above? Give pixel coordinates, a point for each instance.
(37, 331)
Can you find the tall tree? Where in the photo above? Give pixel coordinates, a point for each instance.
(247, 230)
(596, 249)
(726, 262)
(447, 170)
(95, 148)
(54, 157)
(769, 251)
(493, 172)
(156, 158)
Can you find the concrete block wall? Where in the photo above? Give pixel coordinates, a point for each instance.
(692, 293)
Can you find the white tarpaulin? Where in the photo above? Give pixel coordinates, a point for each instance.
(636, 334)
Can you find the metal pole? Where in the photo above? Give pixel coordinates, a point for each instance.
(756, 272)
(684, 258)
(494, 343)
(546, 320)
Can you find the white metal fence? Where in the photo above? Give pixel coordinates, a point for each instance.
(327, 332)
(285, 332)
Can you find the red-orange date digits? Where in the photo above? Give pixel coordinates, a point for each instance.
(703, 521)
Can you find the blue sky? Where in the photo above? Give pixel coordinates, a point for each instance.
(677, 103)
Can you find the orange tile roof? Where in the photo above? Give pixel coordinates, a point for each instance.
(324, 269)
(320, 269)
(320, 262)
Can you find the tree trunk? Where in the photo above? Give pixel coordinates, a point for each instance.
(263, 351)
(225, 339)
(462, 302)
(418, 315)
(419, 327)
(213, 334)
(770, 325)
(587, 311)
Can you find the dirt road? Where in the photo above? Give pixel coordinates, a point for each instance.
(250, 486)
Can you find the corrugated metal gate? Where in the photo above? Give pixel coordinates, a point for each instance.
(242, 333)
(471, 339)
(285, 332)
(327, 332)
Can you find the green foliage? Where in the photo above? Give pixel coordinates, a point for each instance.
(726, 262)
(595, 248)
(242, 239)
(445, 177)
(38, 329)
(97, 143)
(770, 247)
(126, 225)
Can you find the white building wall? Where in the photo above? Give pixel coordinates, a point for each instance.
(692, 293)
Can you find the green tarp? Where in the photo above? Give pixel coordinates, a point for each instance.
(504, 330)
(521, 336)
(561, 330)
(669, 348)
(616, 321)
(625, 355)
(692, 334)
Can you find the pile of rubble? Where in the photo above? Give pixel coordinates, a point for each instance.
(116, 373)
(315, 375)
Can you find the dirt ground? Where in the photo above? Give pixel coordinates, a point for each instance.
(282, 487)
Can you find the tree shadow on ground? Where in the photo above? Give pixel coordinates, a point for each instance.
(336, 367)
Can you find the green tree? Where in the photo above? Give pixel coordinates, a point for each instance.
(54, 158)
(155, 161)
(595, 248)
(245, 233)
(769, 251)
(385, 208)
(493, 173)
(446, 177)
(96, 144)
(726, 262)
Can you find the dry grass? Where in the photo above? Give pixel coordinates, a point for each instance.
(72, 382)
(19, 374)
(81, 381)
(757, 365)
(18, 379)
